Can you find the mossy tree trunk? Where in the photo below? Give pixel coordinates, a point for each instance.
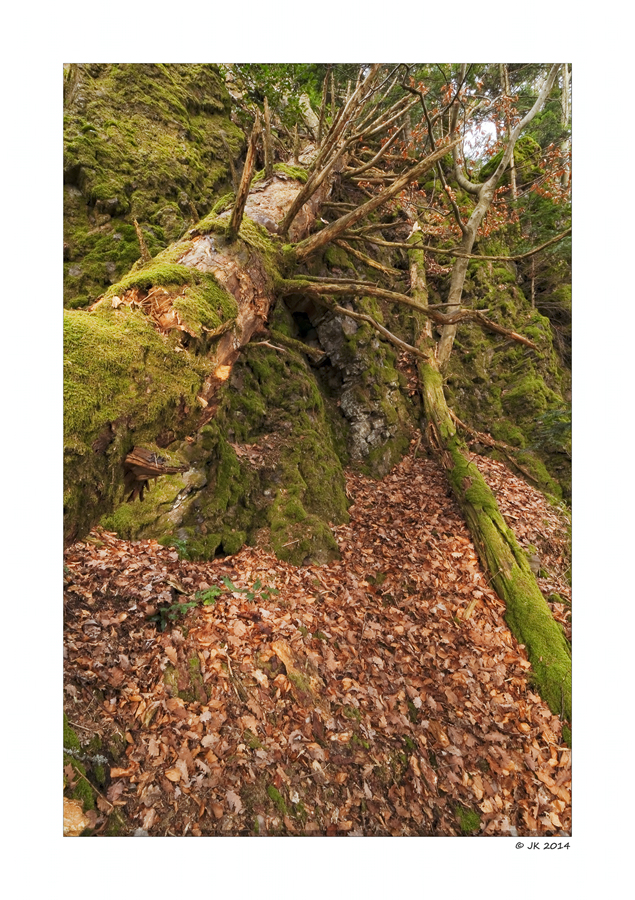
(528, 614)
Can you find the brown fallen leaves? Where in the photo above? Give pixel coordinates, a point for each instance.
(377, 695)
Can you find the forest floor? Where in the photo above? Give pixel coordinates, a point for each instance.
(382, 694)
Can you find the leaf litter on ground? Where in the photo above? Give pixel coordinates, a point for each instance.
(382, 694)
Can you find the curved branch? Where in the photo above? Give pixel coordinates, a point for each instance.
(513, 137)
(362, 317)
(299, 285)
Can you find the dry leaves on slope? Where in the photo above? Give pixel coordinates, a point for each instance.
(372, 696)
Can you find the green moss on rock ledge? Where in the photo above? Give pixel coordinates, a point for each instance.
(503, 388)
(124, 384)
(141, 141)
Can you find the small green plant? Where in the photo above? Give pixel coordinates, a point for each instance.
(181, 547)
(257, 591)
(167, 614)
(208, 597)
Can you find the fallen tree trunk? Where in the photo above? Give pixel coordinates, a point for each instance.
(144, 365)
(528, 614)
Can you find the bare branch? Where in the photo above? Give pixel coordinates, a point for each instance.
(334, 148)
(453, 318)
(315, 242)
(387, 270)
(452, 252)
(245, 182)
(362, 317)
(378, 156)
(267, 143)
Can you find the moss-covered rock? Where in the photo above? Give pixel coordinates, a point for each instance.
(141, 141)
(265, 471)
(503, 388)
(124, 384)
(527, 156)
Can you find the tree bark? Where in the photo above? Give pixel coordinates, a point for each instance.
(508, 122)
(566, 119)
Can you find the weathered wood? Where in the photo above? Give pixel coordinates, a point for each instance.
(140, 465)
(267, 142)
(245, 182)
(146, 256)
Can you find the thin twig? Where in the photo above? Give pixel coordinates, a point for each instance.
(231, 674)
(267, 344)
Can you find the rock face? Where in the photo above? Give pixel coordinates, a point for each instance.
(363, 375)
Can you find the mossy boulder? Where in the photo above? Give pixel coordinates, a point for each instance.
(124, 384)
(264, 471)
(141, 141)
(503, 388)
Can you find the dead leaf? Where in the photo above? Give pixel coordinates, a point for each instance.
(75, 821)
(173, 774)
(235, 803)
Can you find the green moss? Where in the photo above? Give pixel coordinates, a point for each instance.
(301, 682)
(505, 431)
(530, 620)
(141, 141)
(337, 256)
(527, 155)
(278, 800)
(295, 172)
(130, 520)
(502, 388)
(504, 274)
(123, 385)
(251, 740)
(224, 203)
(233, 540)
(281, 503)
(71, 741)
(267, 245)
(529, 397)
(357, 742)
(468, 819)
(83, 791)
(171, 680)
